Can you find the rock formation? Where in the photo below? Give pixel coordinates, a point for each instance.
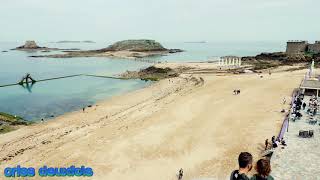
(32, 45)
(29, 45)
(279, 56)
(151, 73)
(136, 45)
(123, 49)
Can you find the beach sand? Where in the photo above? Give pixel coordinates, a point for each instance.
(153, 132)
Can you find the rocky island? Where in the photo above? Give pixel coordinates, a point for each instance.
(131, 49)
(66, 41)
(296, 52)
(32, 46)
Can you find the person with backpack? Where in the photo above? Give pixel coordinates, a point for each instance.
(263, 169)
(245, 165)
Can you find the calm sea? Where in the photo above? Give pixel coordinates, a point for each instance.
(56, 97)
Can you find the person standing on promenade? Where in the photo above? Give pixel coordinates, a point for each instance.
(304, 105)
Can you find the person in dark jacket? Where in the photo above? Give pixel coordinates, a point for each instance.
(304, 105)
(245, 165)
(180, 174)
(263, 169)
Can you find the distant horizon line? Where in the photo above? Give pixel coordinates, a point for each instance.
(165, 41)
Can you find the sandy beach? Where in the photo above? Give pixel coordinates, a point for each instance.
(153, 132)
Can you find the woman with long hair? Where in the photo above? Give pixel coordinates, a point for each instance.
(263, 169)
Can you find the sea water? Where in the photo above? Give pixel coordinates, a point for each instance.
(52, 98)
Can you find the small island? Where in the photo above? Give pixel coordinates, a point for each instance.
(32, 46)
(66, 41)
(131, 49)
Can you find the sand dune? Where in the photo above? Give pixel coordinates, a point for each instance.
(153, 132)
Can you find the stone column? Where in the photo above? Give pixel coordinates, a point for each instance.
(233, 61)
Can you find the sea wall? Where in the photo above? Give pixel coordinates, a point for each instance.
(314, 48)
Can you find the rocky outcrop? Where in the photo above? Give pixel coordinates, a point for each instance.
(10, 122)
(279, 56)
(316, 57)
(273, 60)
(141, 45)
(32, 46)
(134, 49)
(151, 73)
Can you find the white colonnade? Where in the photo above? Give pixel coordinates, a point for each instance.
(230, 61)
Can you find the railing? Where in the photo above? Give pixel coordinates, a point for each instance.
(285, 124)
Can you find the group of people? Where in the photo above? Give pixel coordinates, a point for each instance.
(274, 143)
(296, 107)
(313, 106)
(245, 160)
(236, 91)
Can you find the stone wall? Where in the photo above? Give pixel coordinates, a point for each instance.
(314, 48)
(296, 47)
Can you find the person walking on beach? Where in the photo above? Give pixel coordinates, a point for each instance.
(180, 174)
(83, 109)
(284, 100)
(267, 144)
(245, 165)
(263, 169)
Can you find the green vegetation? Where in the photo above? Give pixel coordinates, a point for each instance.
(309, 54)
(9, 118)
(9, 122)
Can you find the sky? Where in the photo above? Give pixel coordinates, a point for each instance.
(162, 20)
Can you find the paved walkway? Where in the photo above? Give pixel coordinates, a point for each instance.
(301, 158)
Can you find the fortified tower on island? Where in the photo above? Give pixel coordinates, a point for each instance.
(301, 47)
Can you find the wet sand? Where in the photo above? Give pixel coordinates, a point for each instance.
(153, 132)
